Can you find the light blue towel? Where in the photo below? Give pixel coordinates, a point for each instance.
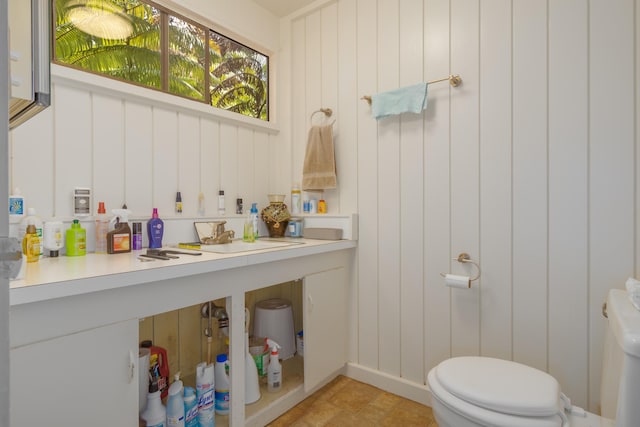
(410, 99)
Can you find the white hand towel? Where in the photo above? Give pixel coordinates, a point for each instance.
(319, 169)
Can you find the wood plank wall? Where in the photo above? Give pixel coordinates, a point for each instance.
(530, 166)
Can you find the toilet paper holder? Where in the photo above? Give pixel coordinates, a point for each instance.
(465, 258)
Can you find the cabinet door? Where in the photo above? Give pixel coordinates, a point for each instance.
(84, 379)
(325, 325)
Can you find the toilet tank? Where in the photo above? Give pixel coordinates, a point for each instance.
(621, 361)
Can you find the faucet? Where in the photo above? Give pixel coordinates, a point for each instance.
(219, 235)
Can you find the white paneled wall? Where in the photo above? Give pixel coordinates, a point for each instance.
(530, 166)
(132, 150)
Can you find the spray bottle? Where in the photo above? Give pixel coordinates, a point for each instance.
(274, 370)
(119, 238)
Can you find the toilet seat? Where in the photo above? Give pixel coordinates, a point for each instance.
(497, 392)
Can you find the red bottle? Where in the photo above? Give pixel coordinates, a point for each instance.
(158, 367)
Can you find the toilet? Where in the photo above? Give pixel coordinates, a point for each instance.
(483, 391)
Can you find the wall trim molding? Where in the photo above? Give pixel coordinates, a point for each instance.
(408, 389)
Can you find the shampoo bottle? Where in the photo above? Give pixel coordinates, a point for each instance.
(76, 240)
(32, 218)
(31, 244)
(175, 403)
(274, 370)
(53, 239)
(155, 230)
(102, 228)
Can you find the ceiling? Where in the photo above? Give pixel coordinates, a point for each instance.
(282, 8)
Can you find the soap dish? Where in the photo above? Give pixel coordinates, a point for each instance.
(322, 233)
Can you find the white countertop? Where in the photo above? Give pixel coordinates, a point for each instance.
(64, 276)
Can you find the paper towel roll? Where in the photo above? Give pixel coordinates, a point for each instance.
(143, 378)
(455, 281)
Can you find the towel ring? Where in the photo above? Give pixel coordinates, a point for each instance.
(328, 112)
(465, 258)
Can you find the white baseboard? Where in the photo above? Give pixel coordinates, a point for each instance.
(408, 389)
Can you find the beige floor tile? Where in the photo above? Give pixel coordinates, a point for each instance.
(350, 403)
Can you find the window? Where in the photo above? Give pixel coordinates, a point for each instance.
(145, 44)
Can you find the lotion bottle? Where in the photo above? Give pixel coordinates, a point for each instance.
(155, 230)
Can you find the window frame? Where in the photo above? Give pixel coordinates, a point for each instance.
(207, 27)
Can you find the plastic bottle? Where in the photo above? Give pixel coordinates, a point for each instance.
(158, 367)
(254, 218)
(205, 393)
(119, 239)
(102, 228)
(155, 230)
(221, 209)
(31, 244)
(136, 236)
(248, 235)
(175, 403)
(222, 385)
(274, 370)
(178, 202)
(16, 207)
(190, 407)
(76, 240)
(155, 414)
(32, 218)
(53, 239)
(296, 202)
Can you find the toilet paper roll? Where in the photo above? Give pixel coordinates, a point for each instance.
(143, 378)
(455, 281)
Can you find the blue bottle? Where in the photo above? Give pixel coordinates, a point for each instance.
(190, 407)
(155, 230)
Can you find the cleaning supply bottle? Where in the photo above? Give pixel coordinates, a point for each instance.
(251, 385)
(158, 367)
(274, 370)
(248, 235)
(205, 393)
(175, 403)
(76, 240)
(102, 228)
(254, 218)
(119, 239)
(222, 385)
(155, 230)
(155, 414)
(31, 244)
(190, 407)
(32, 218)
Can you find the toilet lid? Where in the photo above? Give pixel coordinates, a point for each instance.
(501, 386)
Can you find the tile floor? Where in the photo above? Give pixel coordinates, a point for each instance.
(347, 402)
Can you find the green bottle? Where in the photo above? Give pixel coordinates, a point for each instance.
(76, 240)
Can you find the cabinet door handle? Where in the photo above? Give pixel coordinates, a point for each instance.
(310, 303)
(132, 366)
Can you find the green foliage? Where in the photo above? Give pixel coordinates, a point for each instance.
(238, 75)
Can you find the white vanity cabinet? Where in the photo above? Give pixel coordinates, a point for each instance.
(325, 325)
(74, 341)
(82, 379)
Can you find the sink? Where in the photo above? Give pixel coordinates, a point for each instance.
(241, 246)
